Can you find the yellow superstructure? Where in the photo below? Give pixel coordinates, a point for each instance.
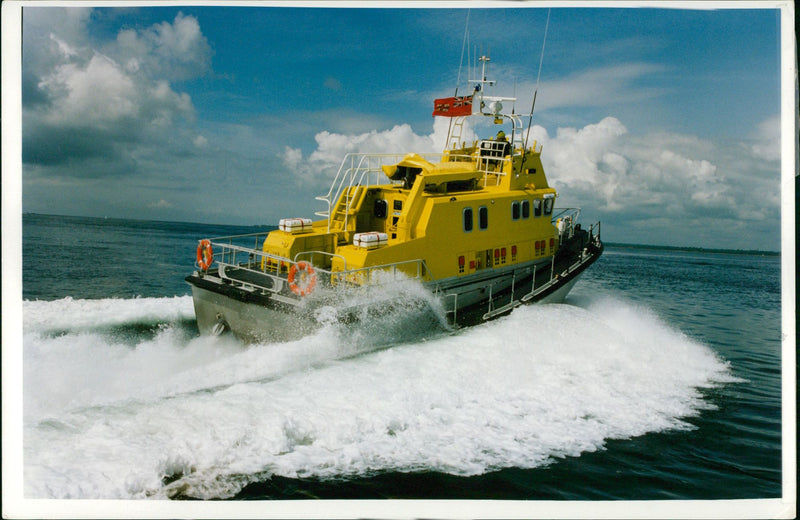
(469, 212)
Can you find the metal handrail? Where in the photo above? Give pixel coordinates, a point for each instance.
(323, 253)
(354, 170)
(592, 228)
(257, 262)
(354, 274)
(277, 281)
(566, 212)
(257, 237)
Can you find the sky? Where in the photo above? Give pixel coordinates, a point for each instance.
(663, 123)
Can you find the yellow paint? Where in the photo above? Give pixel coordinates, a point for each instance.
(426, 220)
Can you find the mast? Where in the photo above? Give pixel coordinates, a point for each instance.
(494, 104)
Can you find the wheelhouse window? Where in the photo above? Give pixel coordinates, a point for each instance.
(526, 209)
(548, 206)
(467, 220)
(515, 211)
(537, 207)
(483, 217)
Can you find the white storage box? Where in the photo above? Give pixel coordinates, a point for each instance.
(295, 225)
(370, 240)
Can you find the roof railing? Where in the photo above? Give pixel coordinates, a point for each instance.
(359, 169)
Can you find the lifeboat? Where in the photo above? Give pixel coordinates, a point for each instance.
(476, 225)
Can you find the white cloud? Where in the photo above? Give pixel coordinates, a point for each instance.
(401, 137)
(323, 163)
(96, 93)
(64, 48)
(651, 176)
(332, 147)
(579, 154)
(93, 106)
(635, 182)
(51, 33)
(175, 51)
(597, 87)
(161, 204)
(768, 139)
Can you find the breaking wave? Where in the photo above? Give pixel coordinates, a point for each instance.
(122, 399)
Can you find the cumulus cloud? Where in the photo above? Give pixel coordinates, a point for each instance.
(620, 172)
(87, 105)
(323, 163)
(656, 180)
(580, 154)
(652, 176)
(91, 94)
(175, 51)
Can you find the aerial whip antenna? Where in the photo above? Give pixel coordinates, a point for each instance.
(463, 46)
(458, 80)
(536, 90)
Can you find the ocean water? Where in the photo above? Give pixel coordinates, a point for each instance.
(658, 379)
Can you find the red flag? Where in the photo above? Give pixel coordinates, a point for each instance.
(453, 106)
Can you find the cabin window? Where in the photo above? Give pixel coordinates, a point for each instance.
(515, 210)
(526, 209)
(381, 208)
(467, 220)
(548, 206)
(537, 207)
(467, 185)
(483, 217)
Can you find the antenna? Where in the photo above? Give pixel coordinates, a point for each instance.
(463, 46)
(536, 90)
(514, 106)
(458, 80)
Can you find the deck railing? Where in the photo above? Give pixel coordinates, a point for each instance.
(486, 156)
(360, 169)
(256, 270)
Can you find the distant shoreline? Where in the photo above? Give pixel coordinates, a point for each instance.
(617, 245)
(690, 249)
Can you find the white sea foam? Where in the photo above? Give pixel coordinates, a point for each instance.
(70, 314)
(175, 413)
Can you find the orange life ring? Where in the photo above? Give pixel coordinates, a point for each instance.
(205, 254)
(302, 278)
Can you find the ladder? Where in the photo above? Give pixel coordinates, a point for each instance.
(454, 133)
